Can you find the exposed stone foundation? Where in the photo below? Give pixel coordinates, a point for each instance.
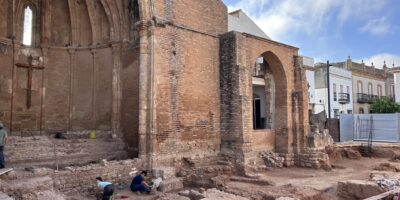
(314, 158)
(77, 149)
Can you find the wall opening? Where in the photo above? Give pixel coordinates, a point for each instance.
(259, 121)
(263, 95)
(28, 26)
(134, 17)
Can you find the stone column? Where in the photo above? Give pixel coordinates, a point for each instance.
(45, 51)
(301, 90)
(72, 64)
(145, 143)
(94, 92)
(116, 88)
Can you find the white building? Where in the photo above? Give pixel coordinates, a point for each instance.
(308, 64)
(369, 84)
(341, 94)
(396, 86)
(240, 22)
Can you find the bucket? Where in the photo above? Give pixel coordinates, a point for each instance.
(92, 134)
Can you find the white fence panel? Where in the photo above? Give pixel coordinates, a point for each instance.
(381, 127)
(346, 128)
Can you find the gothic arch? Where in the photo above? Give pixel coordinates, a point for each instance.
(280, 84)
(19, 23)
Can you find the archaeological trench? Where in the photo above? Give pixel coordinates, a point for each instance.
(161, 85)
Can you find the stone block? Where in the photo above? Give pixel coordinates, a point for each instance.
(358, 189)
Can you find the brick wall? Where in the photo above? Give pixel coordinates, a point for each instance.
(187, 93)
(208, 16)
(239, 53)
(130, 98)
(77, 90)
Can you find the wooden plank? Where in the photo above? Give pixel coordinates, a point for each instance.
(5, 170)
(383, 195)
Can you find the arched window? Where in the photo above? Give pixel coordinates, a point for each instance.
(28, 26)
(359, 87)
(379, 90)
(392, 91)
(370, 89)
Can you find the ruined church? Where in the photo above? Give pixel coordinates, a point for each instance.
(164, 80)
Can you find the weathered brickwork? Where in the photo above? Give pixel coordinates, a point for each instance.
(87, 57)
(163, 75)
(130, 98)
(207, 16)
(187, 92)
(239, 53)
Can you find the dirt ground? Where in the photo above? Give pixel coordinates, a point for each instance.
(305, 183)
(320, 179)
(301, 183)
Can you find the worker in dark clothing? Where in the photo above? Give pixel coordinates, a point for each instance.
(139, 185)
(107, 187)
(3, 142)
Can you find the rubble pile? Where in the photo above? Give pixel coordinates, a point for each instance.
(388, 184)
(386, 180)
(272, 159)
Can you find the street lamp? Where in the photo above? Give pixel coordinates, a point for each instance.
(329, 88)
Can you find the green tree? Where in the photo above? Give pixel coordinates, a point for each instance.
(385, 105)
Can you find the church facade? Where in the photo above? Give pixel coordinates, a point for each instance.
(165, 76)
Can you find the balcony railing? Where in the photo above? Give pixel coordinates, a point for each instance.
(373, 98)
(367, 98)
(362, 98)
(344, 98)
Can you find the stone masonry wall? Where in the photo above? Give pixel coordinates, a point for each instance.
(51, 152)
(77, 179)
(71, 180)
(314, 158)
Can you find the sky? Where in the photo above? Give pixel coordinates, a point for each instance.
(331, 29)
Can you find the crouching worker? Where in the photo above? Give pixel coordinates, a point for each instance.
(139, 185)
(3, 142)
(107, 187)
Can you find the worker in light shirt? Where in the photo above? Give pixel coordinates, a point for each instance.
(107, 187)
